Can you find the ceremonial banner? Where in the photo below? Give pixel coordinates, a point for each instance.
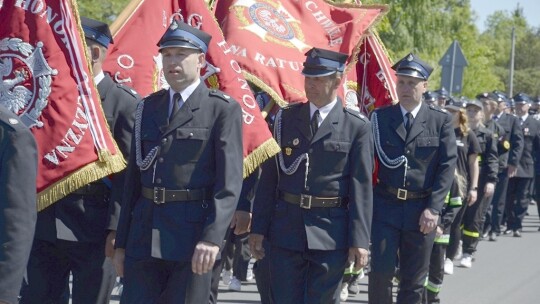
(46, 80)
(371, 83)
(139, 64)
(269, 37)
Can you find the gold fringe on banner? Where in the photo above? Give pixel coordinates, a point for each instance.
(266, 150)
(87, 174)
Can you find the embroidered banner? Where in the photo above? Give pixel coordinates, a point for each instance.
(46, 80)
(139, 64)
(269, 37)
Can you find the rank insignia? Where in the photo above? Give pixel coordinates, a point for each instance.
(288, 151)
(506, 144)
(13, 121)
(296, 141)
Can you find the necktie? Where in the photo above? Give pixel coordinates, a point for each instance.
(409, 122)
(175, 106)
(315, 122)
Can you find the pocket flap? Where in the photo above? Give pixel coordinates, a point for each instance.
(338, 146)
(427, 142)
(192, 133)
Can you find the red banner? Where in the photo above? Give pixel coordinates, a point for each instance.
(46, 80)
(371, 83)
(269, 37)
(140, 64)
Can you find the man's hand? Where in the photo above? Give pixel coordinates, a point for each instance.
(256, 245)
(439, 231)
(204, 257)
(428, 221)
(471, 197)
(118, 261)
(358, 256)
(512, 171)
(489, 189)
(109, 244)
(241, 222)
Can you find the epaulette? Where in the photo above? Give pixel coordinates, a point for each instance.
(437, 108)
(128, 90)
(355, 114)
(292, 105)
(220, 95)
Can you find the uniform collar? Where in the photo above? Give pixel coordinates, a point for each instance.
(323, 111)
(414, 112)
(99, 77)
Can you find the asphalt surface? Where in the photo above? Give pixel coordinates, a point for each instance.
(505, 271)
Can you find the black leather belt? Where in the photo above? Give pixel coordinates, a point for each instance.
(404, 194)
(96, 188)
(309, 201)
(161, 195)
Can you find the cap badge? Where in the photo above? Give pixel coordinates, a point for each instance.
(313, 55)
(288, 151)
(410, 57)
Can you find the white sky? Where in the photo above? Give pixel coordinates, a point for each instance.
(484, 8)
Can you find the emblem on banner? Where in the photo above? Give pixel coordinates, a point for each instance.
(271, 22)
(26, 79)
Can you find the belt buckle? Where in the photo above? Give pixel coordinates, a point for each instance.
(159, 195)
(402, 194)
(305, 201)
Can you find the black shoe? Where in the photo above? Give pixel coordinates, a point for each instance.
(492, 237)
(517, 233)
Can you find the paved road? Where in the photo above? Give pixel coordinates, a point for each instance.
(506, 271)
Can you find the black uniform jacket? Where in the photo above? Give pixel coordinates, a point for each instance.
(86, 218)
(201, 148)
(18, 168)
(531, 147)
(430, 148)
(340, 165)
(489, 157)
(513, 140)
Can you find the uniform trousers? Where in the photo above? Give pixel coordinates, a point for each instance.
(495, 214)
(473, 220)
(455, 233)
(157, 281)
(49, 268)
(311, 277)
(517, 202)
(261, 270)
(395, 229)
(436, 273)
(537, 192)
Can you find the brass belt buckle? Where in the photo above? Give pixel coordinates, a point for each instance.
(305, 201)
(159, 195)
(402, 194)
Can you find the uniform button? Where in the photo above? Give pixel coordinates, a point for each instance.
(310, 151)
(408, 184)
(408, 151)
(164, 140)
(408, 167)
(160, 159)
(158, 180)
(337, 147)
(307, 188)
(190, 134)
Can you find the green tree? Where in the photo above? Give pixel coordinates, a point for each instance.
(103, 10)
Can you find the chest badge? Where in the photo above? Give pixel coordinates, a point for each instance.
(288, 151)
(296, 142)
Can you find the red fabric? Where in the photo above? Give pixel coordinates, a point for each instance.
(371, 82)
(269, 38)
(148, 21)
(69, 125)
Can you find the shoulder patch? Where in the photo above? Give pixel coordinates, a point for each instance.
(220, 95)
(355, 114)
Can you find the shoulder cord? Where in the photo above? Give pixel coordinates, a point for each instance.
(385, 160)
(294, 166)
(145, 163)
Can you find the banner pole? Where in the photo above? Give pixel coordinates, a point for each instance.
(124, 16)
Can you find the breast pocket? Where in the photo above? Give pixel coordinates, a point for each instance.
(392, 150)
(193, 142)
(335, 155)
(149, 140)
(426, 148)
